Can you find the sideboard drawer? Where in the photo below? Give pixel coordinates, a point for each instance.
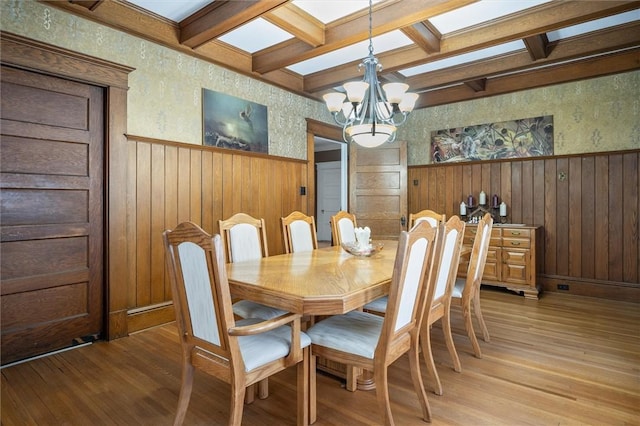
(516, 243)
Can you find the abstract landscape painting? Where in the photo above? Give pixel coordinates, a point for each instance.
(527, 137)
(230, 122)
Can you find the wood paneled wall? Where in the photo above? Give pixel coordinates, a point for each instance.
(169, 183)
(589, 206)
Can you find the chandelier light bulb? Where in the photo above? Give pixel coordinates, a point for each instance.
(334, 101)
(356, 90)
(395, 91)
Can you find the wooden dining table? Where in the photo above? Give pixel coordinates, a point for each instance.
(324, 281)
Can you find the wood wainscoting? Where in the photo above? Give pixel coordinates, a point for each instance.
(170, 182)
(589, 206)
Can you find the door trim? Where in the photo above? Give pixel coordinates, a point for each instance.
(21, 52)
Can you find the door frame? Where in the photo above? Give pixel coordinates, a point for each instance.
(32, 55)
(327, 131)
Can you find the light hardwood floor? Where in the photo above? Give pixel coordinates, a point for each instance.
(563, 360)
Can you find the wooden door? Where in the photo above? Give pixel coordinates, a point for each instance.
(378, 188)
(51, 213)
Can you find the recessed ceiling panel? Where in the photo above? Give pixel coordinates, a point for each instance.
(465, 58)
(598, 24)
(355, 52)
(479, 12)
(255, 35)
(175, 10)
(330, 10)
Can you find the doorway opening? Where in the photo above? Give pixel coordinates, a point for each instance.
(331, 160)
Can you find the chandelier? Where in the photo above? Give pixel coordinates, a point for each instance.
(372, 113)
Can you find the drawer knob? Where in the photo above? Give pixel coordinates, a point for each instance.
(515, 243)
(515, 233)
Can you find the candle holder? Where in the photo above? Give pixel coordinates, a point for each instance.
(476, 211)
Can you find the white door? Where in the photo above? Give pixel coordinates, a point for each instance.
(329, 195)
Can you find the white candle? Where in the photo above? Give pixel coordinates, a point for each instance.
(482, 200)
(503, 209)
(463, 209)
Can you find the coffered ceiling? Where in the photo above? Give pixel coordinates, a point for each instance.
(446, 50)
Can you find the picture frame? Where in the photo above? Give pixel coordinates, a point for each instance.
(526, 137)
(234, 123)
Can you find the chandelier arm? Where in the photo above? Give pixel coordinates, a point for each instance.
(336, 118)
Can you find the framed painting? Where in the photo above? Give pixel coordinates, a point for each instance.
(234, 123)
(527, 137)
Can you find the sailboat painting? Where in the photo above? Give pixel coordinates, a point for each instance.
(230, 122)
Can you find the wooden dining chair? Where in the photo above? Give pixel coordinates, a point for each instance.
(466, 291)
(240, 353)
(343, 225)
(299, 231)
(428, 215)
(446, 266)
(447, 260)
(245, 238)
(373, 342)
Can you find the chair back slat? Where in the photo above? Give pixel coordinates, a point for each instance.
(243, 238)
(343, 225)
(347, 230)
(409, 288)
(299, 232)
(450, 249)
(244, 241)
(479, 254)
(301, 239)
(429, 215)
(414, 274)
(199, 294)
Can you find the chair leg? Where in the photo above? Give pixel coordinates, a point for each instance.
(425, 344)
(185, 393)
(250, 394)
(238, 391)
(382, 394)
(416, 377)
(352, 378)
(263, 389)
(468, 325)
(303, 389)
(448, 338)
(478, 312)
(312, 389)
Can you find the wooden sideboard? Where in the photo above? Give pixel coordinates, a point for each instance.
(514, 257)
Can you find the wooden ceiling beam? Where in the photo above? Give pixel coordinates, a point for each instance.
(541, 19)
(89, 4)
(610, 39)
(297, 22)
(220, 17)
(628, 60)
(537, 45)
(424, 35)
(477, 85)
(387, 16)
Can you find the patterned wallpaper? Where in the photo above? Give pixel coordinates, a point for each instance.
(164, 99)
(595, 115)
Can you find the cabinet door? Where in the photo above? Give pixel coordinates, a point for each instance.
(491, 267)
(516, 266)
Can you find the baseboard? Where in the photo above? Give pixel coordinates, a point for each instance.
(150, 316)
(627, 292)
